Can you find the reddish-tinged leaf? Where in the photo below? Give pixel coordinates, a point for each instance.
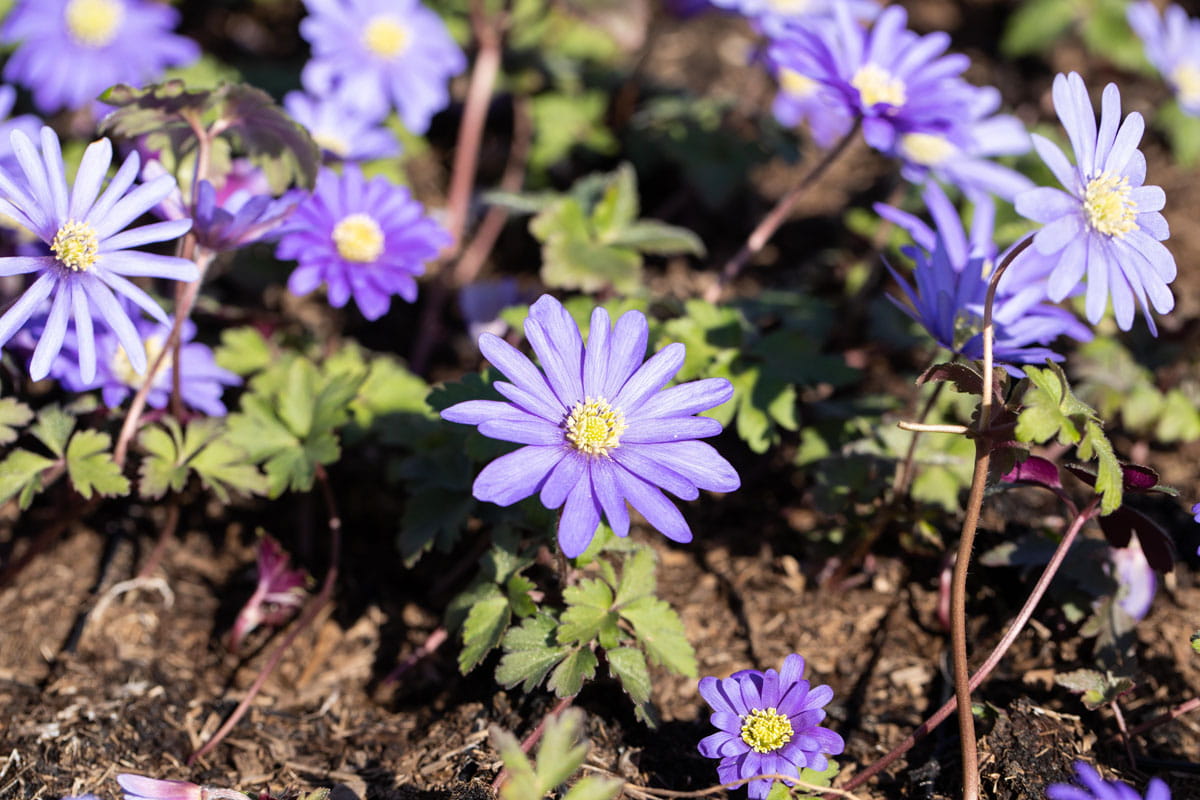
(1035, 470)
(1157, 546)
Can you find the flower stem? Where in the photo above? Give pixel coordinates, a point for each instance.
(770, 224)
(958, 589)
(306, 619)
(993, 659)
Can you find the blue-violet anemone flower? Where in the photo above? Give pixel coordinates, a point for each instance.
(381, 54)
(1096, 788)
(773, 16)
(140, 787)
(1172, 42)
(951, 276)
(366, 239)
(598, 432)
(769, 722)
(1103, 223)
(90, 260)
(69, 51)
(342, 132)
(201, 381)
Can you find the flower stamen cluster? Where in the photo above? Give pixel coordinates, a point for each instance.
(93, 23)
(123, 370)
(358, 238)
(384, 36)
(766, 730)
(876, 85)
(594, 427)
(1186, 79)
(927, 149)
(76, 246)
(1108, 206)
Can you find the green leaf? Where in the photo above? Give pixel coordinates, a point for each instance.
(1035, 25)
(91, 467)
(594, 787)
(628, 665)
(21, 474)
(530, 652)
(53, 428)
(588, 612)
(618, 206)
(1195, 640)
(164, 465)
(562, 750)
(568, 677)
(243, 350)
(1096, 688)
(1109, 476)
(224, 466)
(658, 238)
(576, 263)
(660, 632)
(13, 415)
(1179, 420)
(1183, 131)
(637, 577)
(484, 627)
(522, 783)
(562, 122)
(297, 403)
(814, 778)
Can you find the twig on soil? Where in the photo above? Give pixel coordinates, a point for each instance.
(159, 585)
(165, 535)
(993, 659)
(306, 619)
(771, 223)
(534, 737)
(1124, 730)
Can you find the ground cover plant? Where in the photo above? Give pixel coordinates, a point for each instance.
(523, 398)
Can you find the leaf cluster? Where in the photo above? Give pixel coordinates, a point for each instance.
(560, 755)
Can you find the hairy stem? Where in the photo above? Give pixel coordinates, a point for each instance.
(778, 215)
(993, 659)
(306, 619)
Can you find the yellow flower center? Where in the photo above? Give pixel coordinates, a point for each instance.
(876, 85)
(794, 83)
(927, 149)
(76, 246)
(766, 730)
(358, 238)
(1186, 78)
(594, 427)
(94, 23)
(333, 143)
(789, 6)
(1108, 207)
(385, 36)
(123, 371)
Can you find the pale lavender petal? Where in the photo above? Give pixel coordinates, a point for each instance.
(516, 367)
(85, 337)
(580, 518)
(670, 429)
(570, 470)
(637, 462)
(89, 177)
(529, 430)
(660, 512)
(627, 351)
(50, 342)
(595, 358)
(688, 398)
(154, 232)
(1044, 204)
(515, 476)
(608, 494)
(545, 406)
(137, 264)
(649, 378)
(101, 296)
(23, 265)
(555, 338)
(120, 183)
(26, 306)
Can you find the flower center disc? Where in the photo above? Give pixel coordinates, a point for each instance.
(876, 85)
(1187, 83)
(385, 37)
(358, 238)
(76, 246)
(123, 370)
(795, 84)
(789, 6)
(1107, 205)
(94, 23)
(594, 427)
(766, 730)
(926, 149)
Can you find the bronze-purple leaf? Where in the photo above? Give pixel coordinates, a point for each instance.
(1157, 546)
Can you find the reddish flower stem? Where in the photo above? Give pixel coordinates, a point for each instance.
(427, 648)
(993, 659)
(1176, 712)
(306, 619)
(771, 223)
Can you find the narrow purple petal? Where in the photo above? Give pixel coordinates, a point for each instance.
(688, 398)
(50, 342)
(626, 352)
(604, 484)
(595, 357)
(85, 337)
(650, 377)
(655, 507)
(570, 470)
(670, 429)
(526, 430)
(579, 520)
(517, 368)
(27, 305)
(639, 463)
(555, 338)
(515, 476)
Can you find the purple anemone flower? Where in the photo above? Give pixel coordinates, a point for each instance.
(1172, 42)
(366, 239)
(894, 80)
(769, 722)
(1106, 224)
(90, 260)
(381, 54)
(598, 432)
(201, 382)
(951, 274)
(342, 132)
(1096, 788)
(773, 16)
(69, 51)
(960, 156)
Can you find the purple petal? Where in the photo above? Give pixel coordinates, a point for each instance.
(660, 512)
(525, 430)
(515, 476)
(650, 377)
(639, 463)
(569, 471)
(670, 429)
(50, 342)
(25, 307)
(688, 398)
(604, 484)
(627, 349)
(579, 520)
(517, 368)
(555, 338)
